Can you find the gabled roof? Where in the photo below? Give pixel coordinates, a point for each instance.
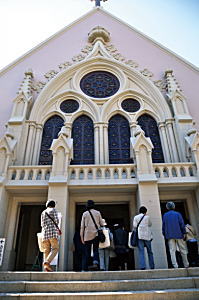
(91, 12)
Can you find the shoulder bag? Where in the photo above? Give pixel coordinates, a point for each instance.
(59, 230)
(134, 235)
(101, 235)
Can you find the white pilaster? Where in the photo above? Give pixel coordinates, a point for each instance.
(30, 143)
(172, 144)
(96, 138)
(101, 145)
(106, 147)
(37, 145)
(165, 142)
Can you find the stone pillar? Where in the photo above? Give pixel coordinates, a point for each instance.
(148, 194)
(30, 143)
(97, 149)
(3, 207)
(106, 147)
(62, 149)
(165, 143)
(58, 191)
(101, 144)
(172, 144)
(37, 145)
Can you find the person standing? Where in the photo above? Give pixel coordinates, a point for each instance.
(104, 253)
(50, 234)
(192, 244)
(173, 229)
(144, 237)
(120, 239)
(89, 235)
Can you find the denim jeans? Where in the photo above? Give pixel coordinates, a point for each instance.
(104, 255)
(87, 253)
(141, 245)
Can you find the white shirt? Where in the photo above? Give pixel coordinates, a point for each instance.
(144, 231)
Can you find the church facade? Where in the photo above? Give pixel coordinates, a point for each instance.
(98, 111)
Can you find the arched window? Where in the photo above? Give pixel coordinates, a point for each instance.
(50, 132)
(149, 125)
(83, 141)
(119, 140)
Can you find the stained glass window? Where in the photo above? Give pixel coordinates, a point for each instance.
(119, 140)
(69, 106)
(83, 141)
(149, 125)
(99, 84)
(130, 105)
(50, 132)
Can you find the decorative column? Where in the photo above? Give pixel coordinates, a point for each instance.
(106, 147)
(172, 144)
(133, 127)
(97, 149)
(62, 150)
(101, 144)
(37, 145)
(147, 194)
(7, 154)
(30, 143)
(165, 143)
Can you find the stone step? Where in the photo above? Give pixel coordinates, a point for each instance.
(88, 276)
(177, 294)
(99, 286)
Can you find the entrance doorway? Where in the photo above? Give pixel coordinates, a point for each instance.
(113, 214)
(27, 249)
(180, 206)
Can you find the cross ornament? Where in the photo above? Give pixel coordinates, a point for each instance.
(97, 2)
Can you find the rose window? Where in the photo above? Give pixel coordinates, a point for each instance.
(99, 84)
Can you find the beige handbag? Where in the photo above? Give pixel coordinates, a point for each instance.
(40, 241)
(107, 243)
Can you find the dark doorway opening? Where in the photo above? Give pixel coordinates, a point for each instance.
(181, 208)
(27, 250)
(113, 214)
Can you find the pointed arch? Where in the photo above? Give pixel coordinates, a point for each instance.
(50, 131)
(119, 140)
(83, 141)
(149, 125)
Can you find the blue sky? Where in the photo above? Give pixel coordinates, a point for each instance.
(26, 23)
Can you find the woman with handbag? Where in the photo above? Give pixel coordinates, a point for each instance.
(143, 222)
(104, 248)
(90, 225)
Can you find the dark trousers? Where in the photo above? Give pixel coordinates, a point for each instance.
(87, 253)
(193, 253)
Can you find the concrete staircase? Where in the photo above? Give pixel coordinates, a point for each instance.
(164, 284)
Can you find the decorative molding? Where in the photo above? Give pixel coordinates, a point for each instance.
(38, 86)
(98, 33)
(50, 74)
(161, 84)
(147, 73)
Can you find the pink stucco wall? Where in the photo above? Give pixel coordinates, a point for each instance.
(69, 42)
